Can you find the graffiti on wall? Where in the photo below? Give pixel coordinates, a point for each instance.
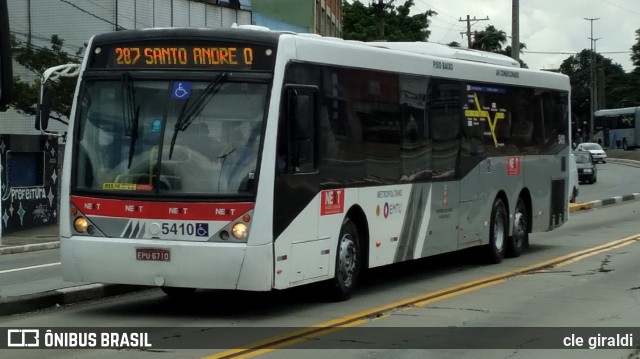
(29, 181)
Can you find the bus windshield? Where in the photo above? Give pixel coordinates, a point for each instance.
(168, 137)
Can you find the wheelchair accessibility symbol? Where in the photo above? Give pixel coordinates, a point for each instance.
(202, 229)
(181, 90)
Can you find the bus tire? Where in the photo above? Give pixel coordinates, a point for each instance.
(178, 292)
(520, 237)
(348, 262)
(497, 232)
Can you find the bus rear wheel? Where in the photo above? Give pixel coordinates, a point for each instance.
(348, 261)
(497, 233)
(520, 237)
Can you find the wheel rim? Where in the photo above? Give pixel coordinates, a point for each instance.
(498, 230)
(347, 260)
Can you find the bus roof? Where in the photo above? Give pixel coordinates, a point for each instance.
(617, 111)
(239, 34)
(434, 49)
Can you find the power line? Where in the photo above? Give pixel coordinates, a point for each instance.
(437, 10)
(46, 48)
(621, 7)
(117, 27)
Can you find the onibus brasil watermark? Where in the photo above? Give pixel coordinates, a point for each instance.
(41, 338)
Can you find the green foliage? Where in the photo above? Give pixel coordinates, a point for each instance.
(37, 60)
(363, 23)
(578, 68)
(635, 49)
(491, 39)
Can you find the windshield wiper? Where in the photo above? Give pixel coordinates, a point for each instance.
(130, 114)
(188, 115)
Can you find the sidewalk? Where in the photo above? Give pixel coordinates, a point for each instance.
(41, 238)
(33, 239)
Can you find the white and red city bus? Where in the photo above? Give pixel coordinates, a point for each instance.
(250, 159)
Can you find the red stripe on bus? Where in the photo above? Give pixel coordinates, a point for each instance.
(160, 210)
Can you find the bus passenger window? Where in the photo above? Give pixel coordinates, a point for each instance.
(301, 132)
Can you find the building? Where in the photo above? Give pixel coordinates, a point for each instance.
(30, 161)
(323, 17)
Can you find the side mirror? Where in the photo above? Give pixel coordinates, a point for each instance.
(44, 109)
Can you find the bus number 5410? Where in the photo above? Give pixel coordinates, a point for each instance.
(181, 229)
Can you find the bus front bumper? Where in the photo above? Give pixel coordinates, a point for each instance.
(167, 263)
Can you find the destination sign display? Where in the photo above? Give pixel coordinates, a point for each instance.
(170, 56)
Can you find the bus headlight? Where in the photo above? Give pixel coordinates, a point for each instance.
(239, 231)
(80, 225)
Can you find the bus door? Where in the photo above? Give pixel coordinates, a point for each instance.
(296, 202)
(471, 169)
(473, 165)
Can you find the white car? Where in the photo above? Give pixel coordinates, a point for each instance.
(574, 180)
(596, 151)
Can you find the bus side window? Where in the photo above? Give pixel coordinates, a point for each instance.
(302, 123)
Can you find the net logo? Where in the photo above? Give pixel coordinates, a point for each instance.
(332, 202)
(23, 338)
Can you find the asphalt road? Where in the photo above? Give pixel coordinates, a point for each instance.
(588, 286)
(613, 180)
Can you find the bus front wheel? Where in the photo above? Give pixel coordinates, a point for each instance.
(348, 261)
(497, 232)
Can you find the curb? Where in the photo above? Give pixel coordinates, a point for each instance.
(574, 207)
(29, 247)
(622, 161)
(70, 295)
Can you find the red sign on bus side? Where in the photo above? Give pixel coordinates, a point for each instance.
(332, 202)
(513, 166)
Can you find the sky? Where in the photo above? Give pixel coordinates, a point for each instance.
(552, 30)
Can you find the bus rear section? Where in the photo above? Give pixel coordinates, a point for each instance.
(618, 128)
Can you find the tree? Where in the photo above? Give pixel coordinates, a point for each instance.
(578, 68)
(37, 60)
(635, 49)
(491, 39)
(362, 22)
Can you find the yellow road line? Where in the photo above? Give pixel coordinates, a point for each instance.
(352, 320)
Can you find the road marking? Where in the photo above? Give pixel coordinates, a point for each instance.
(317, 330)
(31, 267)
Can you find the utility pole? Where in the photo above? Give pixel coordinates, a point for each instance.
(594, 66)
(468, 20)
(593, 89)
(380, 8)
(515, 30)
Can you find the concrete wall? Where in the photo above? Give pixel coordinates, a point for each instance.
(294, 12)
